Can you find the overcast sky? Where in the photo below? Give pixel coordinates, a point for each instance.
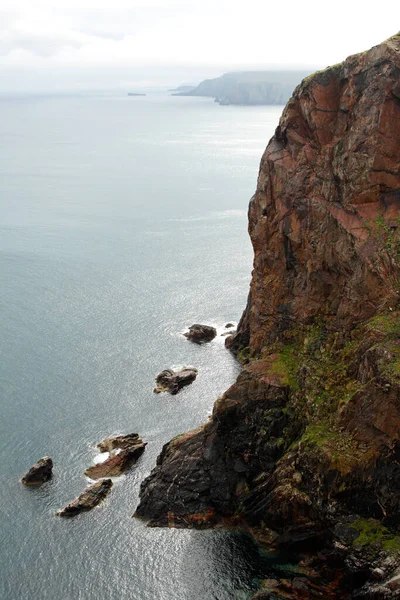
(89, 44)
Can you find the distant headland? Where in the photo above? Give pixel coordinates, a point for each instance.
(135, 94)
(247, 87)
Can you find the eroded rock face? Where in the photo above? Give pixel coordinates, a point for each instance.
(88, 499)
(201, 333)
(173, 381)
(39, 473)
(305, 446)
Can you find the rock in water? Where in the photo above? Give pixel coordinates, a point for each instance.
(119, 441)
(201, 333)
(88, 499)
(39, 473)
(117, 463)
(172, 381)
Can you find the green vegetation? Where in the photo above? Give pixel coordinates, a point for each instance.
(321, 367)
(310, 77)
(314, 364)
(388, 232)
(387, 325)
(286, 365)
(373, 535)
(319, 434)
(244, 355)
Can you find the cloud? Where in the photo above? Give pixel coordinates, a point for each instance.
(41, 45)
(95, 34)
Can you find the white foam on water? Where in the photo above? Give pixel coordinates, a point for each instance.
(100, 458)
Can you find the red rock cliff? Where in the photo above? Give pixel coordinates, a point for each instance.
(328, 191)
(305, 446)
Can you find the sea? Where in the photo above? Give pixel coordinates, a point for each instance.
(123, 220)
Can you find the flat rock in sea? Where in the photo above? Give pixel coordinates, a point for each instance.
(39, 473)
(119, 441)
(200, 333)
(88, 499)
(172, 381)
(117, 463)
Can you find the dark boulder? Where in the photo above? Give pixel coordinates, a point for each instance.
(172, 381)
(201, 333)
(39, 473)
(88, 499)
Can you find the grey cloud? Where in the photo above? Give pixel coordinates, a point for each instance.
(121, 23)
(45, 46)
(111, 24)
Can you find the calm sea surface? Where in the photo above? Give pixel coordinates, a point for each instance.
(123, 221)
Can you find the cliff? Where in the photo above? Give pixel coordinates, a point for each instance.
(304, 448)
(249, 87)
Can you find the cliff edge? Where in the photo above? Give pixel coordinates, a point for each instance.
(305, 447)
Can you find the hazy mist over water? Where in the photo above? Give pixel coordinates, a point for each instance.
(123, 221)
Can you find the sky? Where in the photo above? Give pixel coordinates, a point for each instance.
(52, 45)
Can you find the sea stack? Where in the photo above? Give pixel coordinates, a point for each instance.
(173, 381)
(39, 473)
(201, 333)
(125, 451)
(88, 499)
(305, 446)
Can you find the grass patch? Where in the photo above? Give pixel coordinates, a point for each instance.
(373, 534)
(387, 325)
(244, 355)
(286, 366)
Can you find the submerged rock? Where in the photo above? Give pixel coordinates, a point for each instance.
(201, 333)
(39, 473)
(118, 462)
(119, 441)
(172, 381)
(88, 499)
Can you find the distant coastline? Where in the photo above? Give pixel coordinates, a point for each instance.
(135, 94)
(248, 88)
(182, 90)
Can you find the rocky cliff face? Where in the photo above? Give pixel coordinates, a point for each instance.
(305, 446)
(324, 218)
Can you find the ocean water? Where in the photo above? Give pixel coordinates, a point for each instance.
(123, 221)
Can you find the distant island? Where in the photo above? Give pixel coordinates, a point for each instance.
(248, 87)
(135, 94)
